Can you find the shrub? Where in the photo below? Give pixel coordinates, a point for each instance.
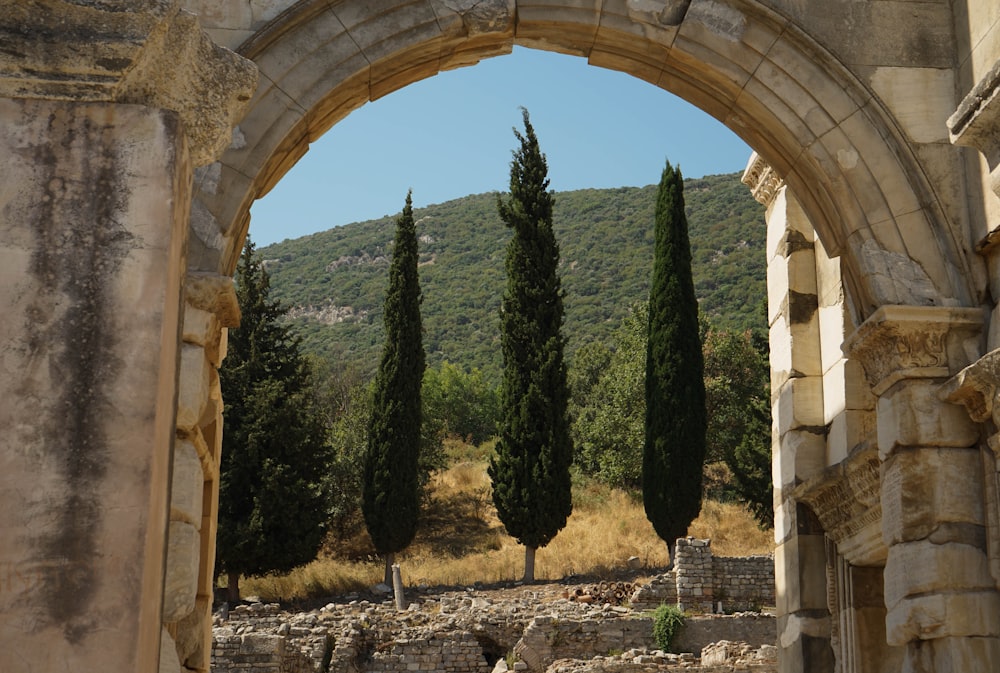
(667, 623)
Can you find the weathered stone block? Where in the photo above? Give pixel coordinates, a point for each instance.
(193, 386)
(168, 654)
(180, 587)
(919, 568)
(923, 489)
(800, 574)
(798, 404)
(187, 486)
(941, 615)
(848, 430)
(800, 455)
(952, 655)
(910, 414)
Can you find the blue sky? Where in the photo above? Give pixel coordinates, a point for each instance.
(451, 135)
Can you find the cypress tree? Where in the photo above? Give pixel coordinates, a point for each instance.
(390, 477)
(674, 450)
(530, 469)
(273, 505)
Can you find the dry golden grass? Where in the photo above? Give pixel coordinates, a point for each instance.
(461, 540)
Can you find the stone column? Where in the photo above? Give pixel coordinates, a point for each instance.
(100, 128)
(941, 602)
(798, 429)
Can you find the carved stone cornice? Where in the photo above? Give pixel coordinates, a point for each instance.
(763, 182)
(976, 121)
(845, 499)
(905, 342)
(976, 388)
(148, 53)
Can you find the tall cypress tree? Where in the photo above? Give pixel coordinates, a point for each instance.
(390, 483)
(273, 507)
(674, 451)
(530, 469)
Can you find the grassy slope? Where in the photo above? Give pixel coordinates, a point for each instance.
(461, 541)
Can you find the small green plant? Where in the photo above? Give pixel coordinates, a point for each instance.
(667, 623)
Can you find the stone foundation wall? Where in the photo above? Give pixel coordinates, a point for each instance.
(700, 582)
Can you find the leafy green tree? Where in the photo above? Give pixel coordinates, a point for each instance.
(674, 452)
(272, 504)
(608, 410)
(608, 429)
(391, 485)
(530, 469)
(464, 403)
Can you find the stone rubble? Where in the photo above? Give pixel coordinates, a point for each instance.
(461, 631)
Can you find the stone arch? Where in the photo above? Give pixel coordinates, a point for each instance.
(805, 113)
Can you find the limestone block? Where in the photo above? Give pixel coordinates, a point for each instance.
(847, 431)
(935, 616)
(777, 225)
(829, 282)
(207, 85)
(194, 636)
(198, 326)
(180, 585)
(923, 489)
(952, 655)
(800, 574)
(919, 568)
(187, 486)
(168, 654)
(831, 335)
(798, 404)
(93, 220)
(318, 54)
(910, 414)
(800, 455)
(795, 348)
(919, 99)
(193, 386)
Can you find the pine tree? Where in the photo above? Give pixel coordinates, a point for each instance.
(530, 470)
(272, 504)
(674, 451)
(390, 484)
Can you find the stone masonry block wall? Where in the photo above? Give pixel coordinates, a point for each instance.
(452, 652)
(547, 639)
(743, 583)
(699, 581)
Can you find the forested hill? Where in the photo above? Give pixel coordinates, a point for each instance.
(334, 281)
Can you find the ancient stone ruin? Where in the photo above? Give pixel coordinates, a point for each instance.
(536, 629)
(134, 137)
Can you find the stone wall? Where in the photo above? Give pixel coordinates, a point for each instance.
(701, 582)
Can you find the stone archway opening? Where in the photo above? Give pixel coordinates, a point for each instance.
(857, 192)
(825, 98)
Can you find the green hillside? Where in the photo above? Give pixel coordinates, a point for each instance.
(334, 281)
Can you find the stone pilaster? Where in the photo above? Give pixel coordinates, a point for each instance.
(941, 603)
(93, 220)
(210, 308)
(798, 430)
(104, 111)
(977, 388)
